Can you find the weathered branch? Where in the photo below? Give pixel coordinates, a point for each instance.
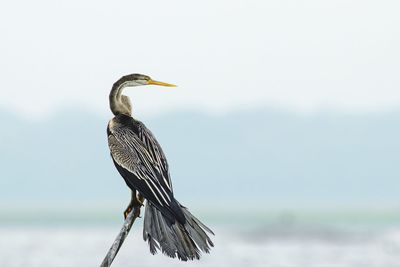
(119, 240)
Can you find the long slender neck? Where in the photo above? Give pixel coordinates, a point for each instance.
(120, 104)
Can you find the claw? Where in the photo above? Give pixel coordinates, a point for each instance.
(127, 211)
(136, 201)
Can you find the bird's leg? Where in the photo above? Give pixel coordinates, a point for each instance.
(136, 202)
(140, 198)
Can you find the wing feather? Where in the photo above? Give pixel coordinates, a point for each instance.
(135, 149)
(155, 149)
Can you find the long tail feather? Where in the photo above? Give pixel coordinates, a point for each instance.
(175, 239)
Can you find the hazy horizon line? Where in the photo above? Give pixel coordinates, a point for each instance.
(212, 114)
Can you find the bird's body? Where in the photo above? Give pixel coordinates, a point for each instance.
(141, 162)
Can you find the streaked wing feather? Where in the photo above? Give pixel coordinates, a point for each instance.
(141, 157)
(156, 151)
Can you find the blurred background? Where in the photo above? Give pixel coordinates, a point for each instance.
(283, 135)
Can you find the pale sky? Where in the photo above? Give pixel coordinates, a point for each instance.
(302, 56)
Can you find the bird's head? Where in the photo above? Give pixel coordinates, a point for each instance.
(120, 103)
(140, 79)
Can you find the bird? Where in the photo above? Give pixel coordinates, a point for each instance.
(167, 225)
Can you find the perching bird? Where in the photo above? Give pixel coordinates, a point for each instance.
(138, 156)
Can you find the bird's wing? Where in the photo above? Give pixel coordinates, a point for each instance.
(156, 152)
(140, 160)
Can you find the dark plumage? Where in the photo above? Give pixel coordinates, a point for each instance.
(139, 158)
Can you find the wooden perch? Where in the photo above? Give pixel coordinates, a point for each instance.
(119, 240)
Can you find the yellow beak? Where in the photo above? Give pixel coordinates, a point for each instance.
(160, 83)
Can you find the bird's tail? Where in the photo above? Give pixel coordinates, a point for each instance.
(175, 239)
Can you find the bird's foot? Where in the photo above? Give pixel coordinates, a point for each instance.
(127, 211)
(136, 203)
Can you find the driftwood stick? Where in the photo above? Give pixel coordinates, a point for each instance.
(119, 240)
